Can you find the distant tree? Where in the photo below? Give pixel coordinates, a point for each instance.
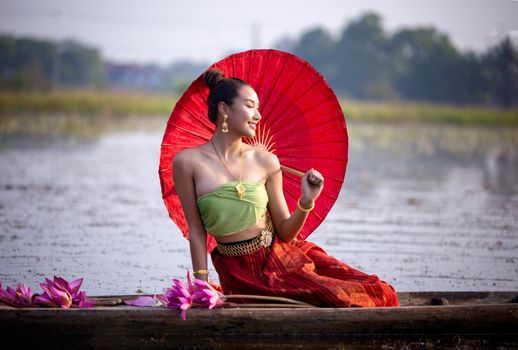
(426, 66)
(178, 75)
(413, 63)
(286, 44)
(503, 60)
(25, 64)
(361, 59)
(318, 47)
(80, 65)
(31, 64)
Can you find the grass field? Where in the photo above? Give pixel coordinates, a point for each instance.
(125, 104)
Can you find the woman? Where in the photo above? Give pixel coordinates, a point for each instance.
(234, 192)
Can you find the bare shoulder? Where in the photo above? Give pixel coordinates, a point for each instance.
(188, 159)
(189, 155)
(183, 155)
(268, 160)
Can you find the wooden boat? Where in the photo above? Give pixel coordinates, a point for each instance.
(425, 319)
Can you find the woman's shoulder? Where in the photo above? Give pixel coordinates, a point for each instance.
(190, 155)
(266, 158)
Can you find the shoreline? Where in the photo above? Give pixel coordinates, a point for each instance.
(110, 104)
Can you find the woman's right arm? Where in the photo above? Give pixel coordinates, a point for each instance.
(183, 176)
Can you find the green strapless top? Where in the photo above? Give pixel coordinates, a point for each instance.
(224, 213)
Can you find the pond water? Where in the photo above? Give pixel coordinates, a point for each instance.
(425, 207)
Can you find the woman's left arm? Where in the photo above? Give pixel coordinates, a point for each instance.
(288, 225)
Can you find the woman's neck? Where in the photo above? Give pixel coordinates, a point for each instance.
(228, 146)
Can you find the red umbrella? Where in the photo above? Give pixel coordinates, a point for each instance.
(302, 124)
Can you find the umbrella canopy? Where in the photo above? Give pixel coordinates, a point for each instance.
(302, 124)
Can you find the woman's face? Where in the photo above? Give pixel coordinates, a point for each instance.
(244, 113)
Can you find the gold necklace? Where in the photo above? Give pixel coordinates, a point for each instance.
(240, 189)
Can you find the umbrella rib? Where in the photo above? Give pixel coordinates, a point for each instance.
(189, 132)
(262, 139)
(317, 104)
(264, 71)
(250, 57)
(292, 179)
(194, 116)
(277, 78)
(320, 218)
(258, 86)
(294, 103)
(324, 194)
(320, 157)
(312, 144)
(200, 93)
(290, 194)
(163, 170)
(288, 87)
(326, 177)
(313, 127)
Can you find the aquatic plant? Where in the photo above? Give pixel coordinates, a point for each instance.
(20, 297)
(56, 293)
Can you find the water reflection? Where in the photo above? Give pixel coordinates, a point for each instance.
(500, 170)
(423, 207)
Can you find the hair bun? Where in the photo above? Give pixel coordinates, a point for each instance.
(212, 77)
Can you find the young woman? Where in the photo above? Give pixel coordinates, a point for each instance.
(234, 192)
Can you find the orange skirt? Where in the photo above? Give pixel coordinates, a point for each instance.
(303, 271)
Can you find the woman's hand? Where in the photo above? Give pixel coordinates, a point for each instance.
(312, 184)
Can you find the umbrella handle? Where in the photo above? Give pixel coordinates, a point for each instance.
(298, 173)
(291, 170)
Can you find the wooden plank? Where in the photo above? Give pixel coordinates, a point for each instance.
(498, 318)
(127, 326)
(457, 298)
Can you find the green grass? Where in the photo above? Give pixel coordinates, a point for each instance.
(118, 104)
(426, 112)
(86, 103)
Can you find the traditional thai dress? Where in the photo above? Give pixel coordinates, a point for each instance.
(266, 265)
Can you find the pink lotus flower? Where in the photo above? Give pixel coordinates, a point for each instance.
(161, 298)
(197, 293)
(53, 296)
(179, 297)
(204, 294)
(60, 293)
(20, 297)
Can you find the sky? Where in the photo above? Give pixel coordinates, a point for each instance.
(205, 31)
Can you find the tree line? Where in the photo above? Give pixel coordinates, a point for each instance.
(33, 64)
(364, 62)
(419, 64)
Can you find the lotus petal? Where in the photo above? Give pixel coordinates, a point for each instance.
(141, 301)
(44, 300)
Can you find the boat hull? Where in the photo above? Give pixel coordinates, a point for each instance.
(479, 322)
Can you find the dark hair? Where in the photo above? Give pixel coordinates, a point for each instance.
(221, 89)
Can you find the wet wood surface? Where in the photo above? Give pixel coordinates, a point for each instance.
(473, 319)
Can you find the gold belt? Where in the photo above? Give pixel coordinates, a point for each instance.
(264, 239)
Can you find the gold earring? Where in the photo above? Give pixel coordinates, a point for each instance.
(224, 125)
